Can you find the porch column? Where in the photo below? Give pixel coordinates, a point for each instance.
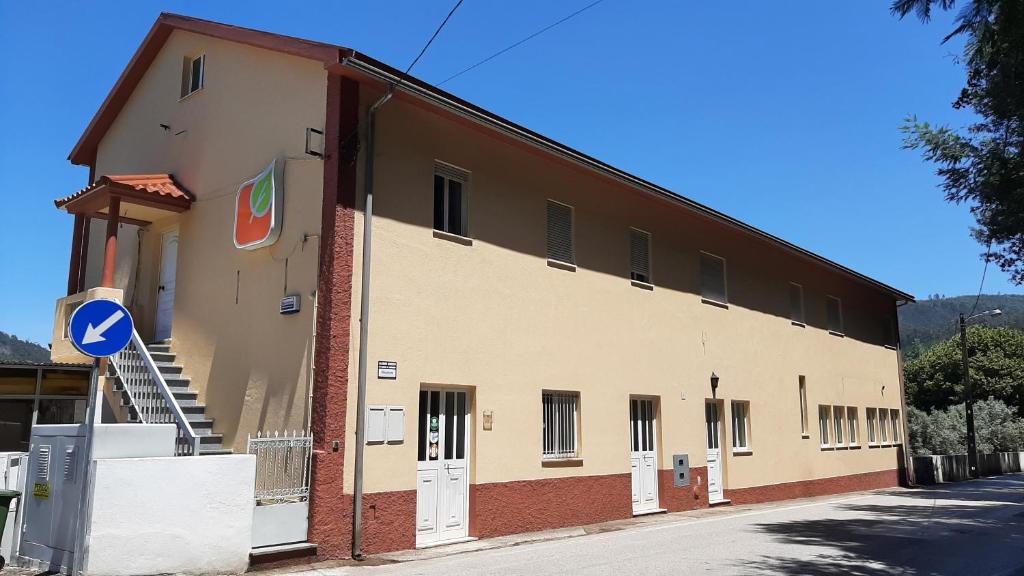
(75, 267)
(110, 253)
(83, 264)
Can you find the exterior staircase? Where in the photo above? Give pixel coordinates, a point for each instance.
(172, 372)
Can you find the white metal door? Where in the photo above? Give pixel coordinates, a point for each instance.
(713, 422)
(643, 455)
(442, 472)
(165, 290)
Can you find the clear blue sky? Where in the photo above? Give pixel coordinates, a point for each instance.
(783, 114)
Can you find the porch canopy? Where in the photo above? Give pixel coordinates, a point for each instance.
(133, 199)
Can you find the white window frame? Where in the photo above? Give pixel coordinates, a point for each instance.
(883, 426)
(725, 279)
(894, 421)
(852, 426)
(838, 425)
(189, 61)
(563, 407)
(451, 173)
(871, 415)
(804, 418)
(803, 308)
(842, 322)
(744, 411)
(825, 425)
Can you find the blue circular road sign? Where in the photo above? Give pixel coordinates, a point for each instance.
(100, 328)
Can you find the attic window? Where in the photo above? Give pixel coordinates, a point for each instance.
(193, 71)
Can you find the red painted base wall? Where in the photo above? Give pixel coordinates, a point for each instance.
(502, 508)
(819, 487)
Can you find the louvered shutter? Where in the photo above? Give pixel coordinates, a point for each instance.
(560, 233)
(639, 256)
(712, 278)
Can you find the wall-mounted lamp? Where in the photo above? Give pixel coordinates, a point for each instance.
(714, 382)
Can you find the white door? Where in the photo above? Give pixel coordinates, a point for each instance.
(165, 290)
(713, 421)
(442, 470)
(643, 455)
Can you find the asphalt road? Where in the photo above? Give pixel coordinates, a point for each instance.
(971, 528)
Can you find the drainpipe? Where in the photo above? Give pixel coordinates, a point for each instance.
(364, 323)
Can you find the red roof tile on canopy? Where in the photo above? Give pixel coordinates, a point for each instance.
(158, 188)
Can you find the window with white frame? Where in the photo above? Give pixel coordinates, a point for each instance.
(193, 72)
(872, 416)
(803, 405)
(740, 425)
(450, 202)
(852, 425)
(834, 314)
(560, 236)
(560, 424)
(883, 426)
(824, 423)
(894, 417)
(639, 256)
(838, 417)
(796, 303)
(712, 278)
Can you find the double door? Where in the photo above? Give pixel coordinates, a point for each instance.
(643, 455)
(442, 468)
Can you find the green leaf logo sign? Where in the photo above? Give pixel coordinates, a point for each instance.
(262, 194)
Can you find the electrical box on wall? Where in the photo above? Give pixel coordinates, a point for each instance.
(680, 470)
(385, 424)
(291, 304)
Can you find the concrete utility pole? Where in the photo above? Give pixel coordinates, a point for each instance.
(972, 443)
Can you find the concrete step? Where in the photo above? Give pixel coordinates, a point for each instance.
(214, 451)
(158, 347)
(169, 369)
(202, 427)
(162, 356)
(177, 381)
(210, 441)
(185, 397)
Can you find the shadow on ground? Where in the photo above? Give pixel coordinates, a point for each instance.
(928, 534)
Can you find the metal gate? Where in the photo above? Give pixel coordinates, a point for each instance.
(282, 487)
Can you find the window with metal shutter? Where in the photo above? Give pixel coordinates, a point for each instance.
(712, 278)
(834, 314)
(560, 233)
(450, 213)
(639, 256)
(796, 303)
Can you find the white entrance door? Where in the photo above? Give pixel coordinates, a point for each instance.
(643, 457)
(165, 290)
(713, 421)
(442, 470)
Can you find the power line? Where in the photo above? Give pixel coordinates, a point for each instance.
(431, 41)
(520, 42)
(988, 251)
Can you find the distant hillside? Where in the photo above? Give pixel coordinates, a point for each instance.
(928, 321)
(14, 348)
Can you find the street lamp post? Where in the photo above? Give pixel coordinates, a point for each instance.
(972, 443)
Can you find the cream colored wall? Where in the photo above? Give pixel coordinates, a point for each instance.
(248, 363)
(496, 318)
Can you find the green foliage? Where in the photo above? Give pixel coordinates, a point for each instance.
(934, 379)
(927, 322)
(983, 164)
(997, 429)
(14, 349)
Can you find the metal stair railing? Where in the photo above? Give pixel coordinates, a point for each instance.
(149, 395)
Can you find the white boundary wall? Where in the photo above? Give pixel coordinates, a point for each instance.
(176, 515)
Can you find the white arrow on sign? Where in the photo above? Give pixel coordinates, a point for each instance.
(95, 334)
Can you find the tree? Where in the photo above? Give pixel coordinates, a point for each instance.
(997, 426)
(983, 165)
(934, 379)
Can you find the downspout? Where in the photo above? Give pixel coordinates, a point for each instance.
(364, 324)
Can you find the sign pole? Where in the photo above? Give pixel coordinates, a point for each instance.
(85, 509)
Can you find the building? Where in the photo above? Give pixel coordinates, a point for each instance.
(550, 341)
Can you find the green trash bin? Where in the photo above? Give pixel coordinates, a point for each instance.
(6, 497)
